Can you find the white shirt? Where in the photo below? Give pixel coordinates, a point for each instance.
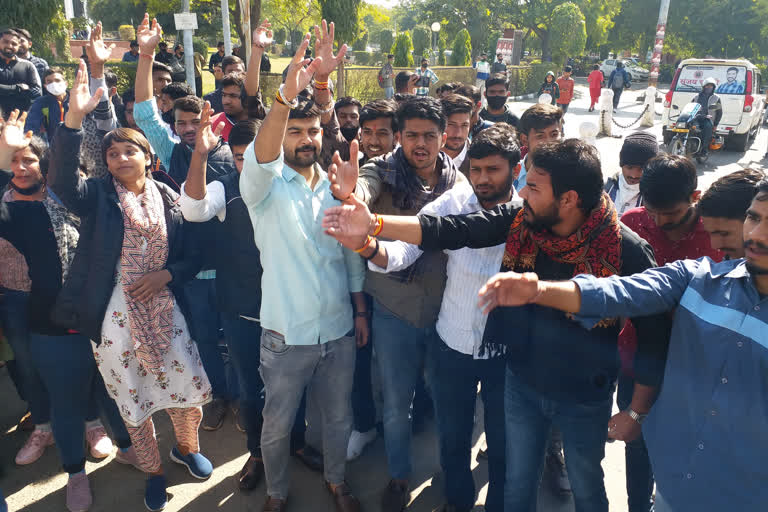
(460, 323)
(461, 156)
(214, 204)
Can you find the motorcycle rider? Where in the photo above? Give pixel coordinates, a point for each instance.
(710, 114)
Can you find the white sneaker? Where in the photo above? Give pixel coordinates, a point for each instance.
(358, 441)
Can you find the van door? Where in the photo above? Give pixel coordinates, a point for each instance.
(731, 87)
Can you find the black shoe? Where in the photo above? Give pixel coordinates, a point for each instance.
(395, 497)
(482, 454)
(251, 474)
(311, 458)
(556, 475)
(239, 425)
(214, 414)
(454, 508)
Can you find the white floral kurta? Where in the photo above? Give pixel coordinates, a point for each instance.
(138, 393)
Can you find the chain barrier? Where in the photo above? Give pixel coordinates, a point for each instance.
(633, 122)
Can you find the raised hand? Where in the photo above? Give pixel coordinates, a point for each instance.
(98, 52)
(13, 137)
(262, 36)
(298, 76)
(148, 35)
(508, 289)
(81, 103)
(343, 175)
(349, 223)
(206, 137)
(324, 49)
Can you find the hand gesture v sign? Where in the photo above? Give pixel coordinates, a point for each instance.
(298, 77)
(81, 103)
(324, 49)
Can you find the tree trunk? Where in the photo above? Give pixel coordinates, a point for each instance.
(546, 52)
(237, 15)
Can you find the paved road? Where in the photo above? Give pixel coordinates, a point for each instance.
(41, 486)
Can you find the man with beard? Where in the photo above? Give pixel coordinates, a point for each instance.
(176, 157)
(474, 95)
(168, 95)
(378, 131)
(25, 43)
(706, 431)
(624, 187)
(557, 373)
(406, 303)
(229, 64)
(308, 338)
(496, 94)
(19, 81)
(455, 363)
(232, 100)
(723, 208)
(458, 114)
(348, 112)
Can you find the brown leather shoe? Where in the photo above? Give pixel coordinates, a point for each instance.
(251, 474)
(274, 505)
(343, 497)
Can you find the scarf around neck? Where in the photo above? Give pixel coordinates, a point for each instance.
(627, 196)
(408, 190)
(145, 250)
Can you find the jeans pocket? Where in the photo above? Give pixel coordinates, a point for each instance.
(273, 343)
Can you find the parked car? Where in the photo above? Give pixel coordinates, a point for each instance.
(739, 86)
(636, 72)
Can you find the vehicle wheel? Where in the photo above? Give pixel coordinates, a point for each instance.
(667, 137)
(702, 158)
(738, 142)
(676, 147)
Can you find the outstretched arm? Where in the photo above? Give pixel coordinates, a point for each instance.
(262, 37)
(148, 36)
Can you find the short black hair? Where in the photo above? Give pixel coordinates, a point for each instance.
(347, 101)
(420, 107)
(41, 150)
(23, 33)
(732, 68)
(52, 71)
(134, 43)
(159, 66)
(471, 92)
(401, 80)
(400, 97)
(456, 104)
(572, 164)
(243, 132)
(178, 45)
(129, 96)
(567, 69)
(188, 103)
(447, 87)
(379, 109)
(162, 44)
(220, 43)
(177, 90)
(230, 60)
(390, 56)
(230, 79)
(424, 59)
(596, 67)
(540, 116)
(497, 79)
(730, 196)
(305, 109)
(110, 78)
(668, 180)
(499, 139)
(9, 32)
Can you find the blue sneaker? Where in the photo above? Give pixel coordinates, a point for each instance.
(155, 497)
(198, 466)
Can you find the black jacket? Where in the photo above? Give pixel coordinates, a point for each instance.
(548, 351)
(83, 300)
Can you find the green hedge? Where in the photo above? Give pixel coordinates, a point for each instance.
(125, 71)
(527, 79)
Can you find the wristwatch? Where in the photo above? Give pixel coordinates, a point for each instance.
(640, 418)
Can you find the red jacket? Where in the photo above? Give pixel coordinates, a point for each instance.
(566, 90)
(595, 79)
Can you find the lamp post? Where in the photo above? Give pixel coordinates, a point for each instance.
(435, 31)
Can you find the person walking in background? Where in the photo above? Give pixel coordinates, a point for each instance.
(387, 77)
(618, 81)
(566, 84)
(596, 80)
(550, 87)
(132, 55)
(483, 72)
(428, 78)
(499, 66)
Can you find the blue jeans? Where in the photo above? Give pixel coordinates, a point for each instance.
(389, 92)
(454, 377)
(69, 373)
(638, 464)
(529, 417)
(706, 127)
(203, 322)
(327, 371)
(400, 351)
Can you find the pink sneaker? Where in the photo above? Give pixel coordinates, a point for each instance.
(78, 493)
(33, 449)
(128, 458)
(99, 442)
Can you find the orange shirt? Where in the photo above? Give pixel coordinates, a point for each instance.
(566, 90)
(595, 79)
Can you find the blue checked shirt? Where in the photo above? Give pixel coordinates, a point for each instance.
(707, 434)
(731, 88)
(424, 91)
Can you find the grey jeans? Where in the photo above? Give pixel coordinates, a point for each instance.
(327, 371)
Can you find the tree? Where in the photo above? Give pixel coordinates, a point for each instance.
(294, 17)
(46, 23)
(422, 37)
(386, 40)
(568, 32)
(279, 35)
(441, 46)
(462, 49)
(344, 15)
(361, 44)
(403, 50)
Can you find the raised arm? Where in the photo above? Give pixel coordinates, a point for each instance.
(13, 137)
(104, 114)
(324, 36)
(262, 37)
(148, 37)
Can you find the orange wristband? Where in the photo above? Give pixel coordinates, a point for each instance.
(379, 225)
(368, 241)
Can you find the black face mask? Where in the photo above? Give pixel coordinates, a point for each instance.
(29, 191)
(496, 102)
(349, 132)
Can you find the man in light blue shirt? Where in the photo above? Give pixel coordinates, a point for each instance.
(308, 279)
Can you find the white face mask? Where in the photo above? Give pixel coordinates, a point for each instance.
(56, 88)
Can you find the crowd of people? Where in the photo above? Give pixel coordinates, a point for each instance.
(320, 237)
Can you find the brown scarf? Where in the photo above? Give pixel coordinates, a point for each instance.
(145, 250)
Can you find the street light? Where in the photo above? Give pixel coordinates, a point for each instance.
(435, 29)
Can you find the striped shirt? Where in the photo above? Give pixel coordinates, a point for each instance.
(424, 91)
(731, 88)
(706, 434)
(460, 322)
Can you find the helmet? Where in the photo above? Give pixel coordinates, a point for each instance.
(709, 81)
